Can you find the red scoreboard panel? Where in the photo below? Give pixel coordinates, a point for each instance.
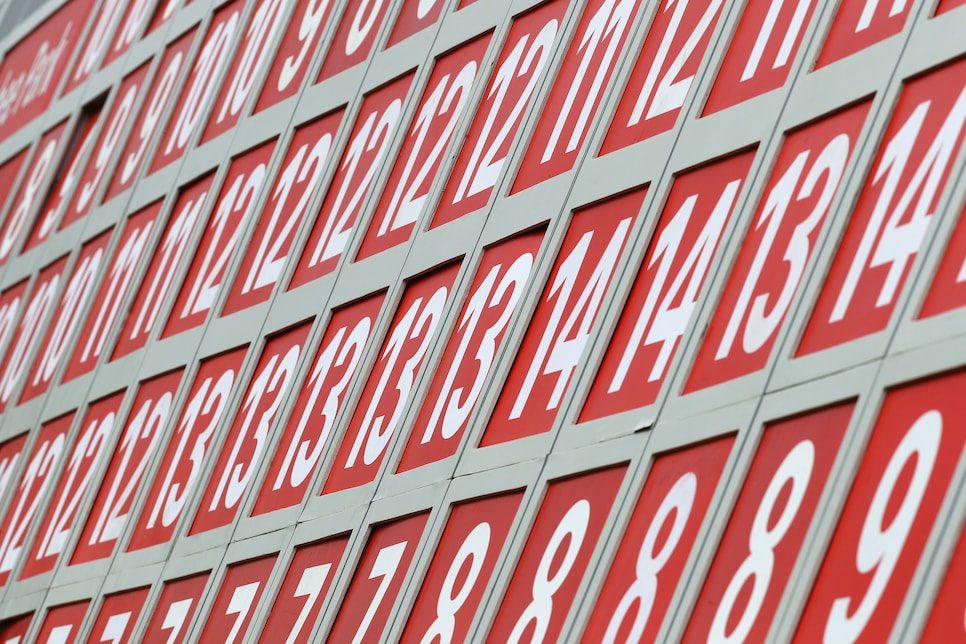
(516, 320)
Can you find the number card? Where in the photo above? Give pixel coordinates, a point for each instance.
(948, 289)
(63, 623)
(233, 209)
(246, 67)
(462, 566)
(949, 606)
(11, 301)
(414, 17)
(136, 17)
(305, 589)
(186, 450)
(761, 52)
(114, 286)
(165, 260)
(377, 580)
(318, 406)
(91, 447)
(96, 41)
(267, 254)
(9, 173)
(889, 512)
(664, 72)
(667, 288)
(33, 188)
(659, 538)
(35, 479)
(302, 38)
(147, 421)
(176, 608)
(231, 616)
(392, 379)
(459, 379)
(775, 252)
(66, 177)
(561, 325)
(574, 100)
(404, 196)
(199, 86)
(118, 615)
(66, 317)
(368, 146)
(163, 84)
(893, 211)
(15, 363)
(249, 435)
(528, 49)
(555, 557)
(98, 164)
(10, 453)
(356, 36)
(860, 24)
(767, 527)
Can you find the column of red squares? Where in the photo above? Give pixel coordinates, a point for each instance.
(502, 320)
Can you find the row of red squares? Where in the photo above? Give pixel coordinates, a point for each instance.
(864, 578)
(304, 168)
(554, 344)
(534, 35)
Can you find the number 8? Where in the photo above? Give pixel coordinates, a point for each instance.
(643, 590)
(474, 547)
(574, 524)
(797, 468)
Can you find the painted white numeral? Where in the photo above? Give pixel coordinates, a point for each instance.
(374, 134)
(446, 98)
(385, 566)
(241, 604)
(796, 470)
(830, 165)
(119, 281)
(146, 423)
(31, 190)
(450, 412)
(880, 546)
(212, 400)
(419, 320)
(115, 628)
(871, 6)
(903, 232)
(362, 24)
(669, 94)
(38, 473)
(172, 251)
(310, 586)
(240, 195)
(668, 324)
(572, 529)
(555, 353)
(154, 110)
(483, 168)
(60, 634)
(308, 31)
(29, 327)
(211, 60)
(175, 618)
(274, 379)
(89, 446)
(643, 590)
(450, 601)
(109, 141)
(767, 29)
(345, 351)
(269, 258)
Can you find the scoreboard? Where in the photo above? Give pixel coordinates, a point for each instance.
(483, 320)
